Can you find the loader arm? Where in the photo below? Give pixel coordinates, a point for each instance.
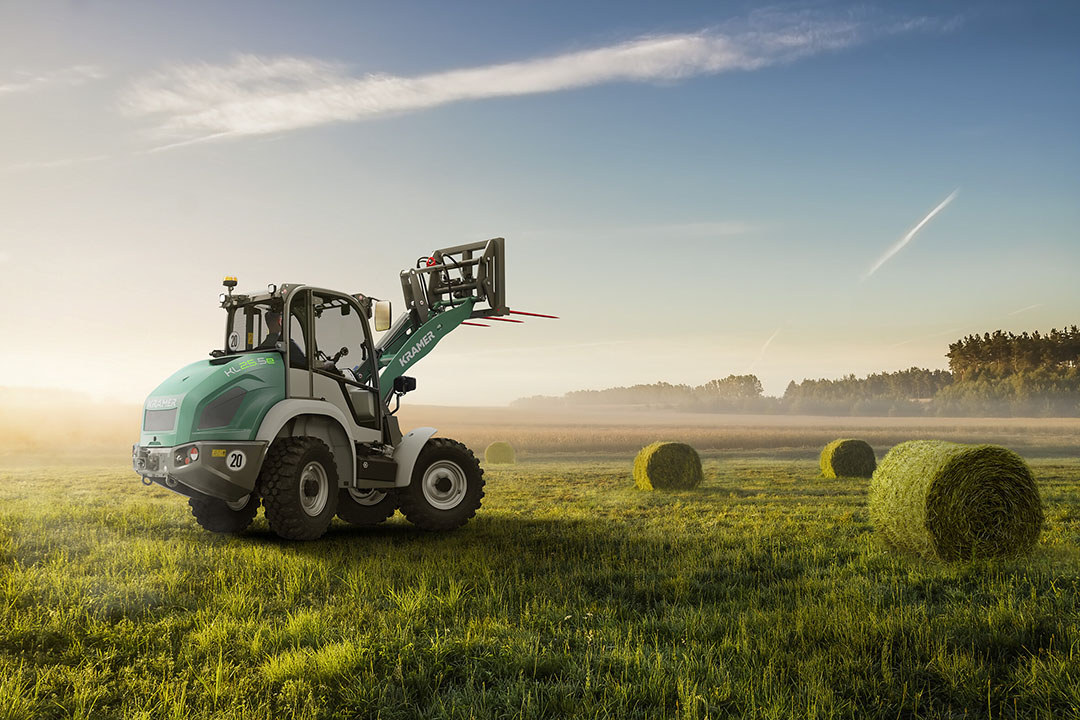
(406, 343)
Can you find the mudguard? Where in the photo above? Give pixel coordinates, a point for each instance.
(344, 449)
(407, 451)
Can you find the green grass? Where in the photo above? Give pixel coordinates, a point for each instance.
(762, 594)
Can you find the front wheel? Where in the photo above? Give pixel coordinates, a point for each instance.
(224, 517)
(299, 487)
(446, 489)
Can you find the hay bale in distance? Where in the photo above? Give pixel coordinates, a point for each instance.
(848, 458)
(955, 502)
(667, 465)
(500, 453)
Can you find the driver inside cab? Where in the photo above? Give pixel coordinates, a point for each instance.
(297, 359)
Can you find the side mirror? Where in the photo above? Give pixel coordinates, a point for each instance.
(382, 315)
(404, 384)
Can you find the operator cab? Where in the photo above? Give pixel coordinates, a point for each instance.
(327, 346)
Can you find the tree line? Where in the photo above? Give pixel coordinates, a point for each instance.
(1001, 354)
(996, 374)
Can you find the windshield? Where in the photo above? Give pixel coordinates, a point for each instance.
(254, 327)
(340, 338)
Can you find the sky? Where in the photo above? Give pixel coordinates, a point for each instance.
(695, 189)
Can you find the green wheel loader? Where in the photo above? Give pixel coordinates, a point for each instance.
(294, 412)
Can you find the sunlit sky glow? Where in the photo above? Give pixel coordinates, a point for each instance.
(696, 190)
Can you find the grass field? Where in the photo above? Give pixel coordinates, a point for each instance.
(762, 594)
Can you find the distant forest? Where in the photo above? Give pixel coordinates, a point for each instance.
(995, 374)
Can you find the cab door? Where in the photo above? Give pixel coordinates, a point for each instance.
(342, 364)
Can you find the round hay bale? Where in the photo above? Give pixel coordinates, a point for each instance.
(500, 453)
(848, 458)
(949, 501)
(667, 465)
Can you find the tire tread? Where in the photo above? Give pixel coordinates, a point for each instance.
(276, 486)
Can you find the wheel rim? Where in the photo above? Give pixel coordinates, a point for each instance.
(239, 504)
(444, 485)
(314, 489)
(366, 496)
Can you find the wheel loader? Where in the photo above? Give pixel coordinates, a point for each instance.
(293, 412)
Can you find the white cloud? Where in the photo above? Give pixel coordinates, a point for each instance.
(254, 95)
(22, 81)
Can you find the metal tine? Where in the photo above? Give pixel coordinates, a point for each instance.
(532, 314)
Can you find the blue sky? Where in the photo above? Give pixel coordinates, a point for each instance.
(696, 189)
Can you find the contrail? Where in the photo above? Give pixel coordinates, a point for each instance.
(761, 353)
(1025, 309)
(926, 337)
(911, 233)
(968, 326)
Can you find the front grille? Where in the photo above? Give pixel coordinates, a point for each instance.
(159, 420)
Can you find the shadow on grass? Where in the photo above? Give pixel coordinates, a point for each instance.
(606, 563)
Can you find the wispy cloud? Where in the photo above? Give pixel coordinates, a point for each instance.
(60, 162)
(531, 351)
(693, 230)
(255, 95)
(911, 234)
(22, 81)
(703, 230)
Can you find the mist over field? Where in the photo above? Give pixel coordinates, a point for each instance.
(48, 426)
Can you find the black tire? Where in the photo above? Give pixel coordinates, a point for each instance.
(299, 487)
(446, 488)
(222, 517)
(364, 508)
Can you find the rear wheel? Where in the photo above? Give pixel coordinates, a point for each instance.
(447, 486)
(299, 487)
(364, 507)
(224, 517)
